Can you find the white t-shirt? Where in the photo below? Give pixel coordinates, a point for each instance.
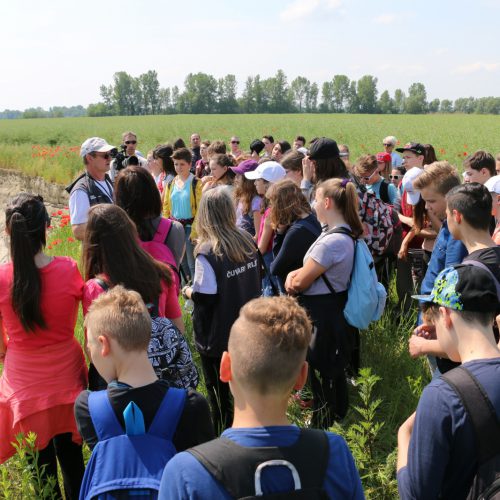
(79, 202)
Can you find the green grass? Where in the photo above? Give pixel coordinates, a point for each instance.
(50, 147)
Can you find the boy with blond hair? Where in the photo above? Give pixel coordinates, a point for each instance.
(265, 362)
(119, 330)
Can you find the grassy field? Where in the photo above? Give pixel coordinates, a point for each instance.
(50, 147)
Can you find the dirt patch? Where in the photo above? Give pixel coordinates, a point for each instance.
(12, 183)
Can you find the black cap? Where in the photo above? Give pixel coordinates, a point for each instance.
(414, 147)
(257, 146)
(464, 288)
(323, 148)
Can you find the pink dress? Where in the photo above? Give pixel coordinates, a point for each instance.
(44, 370)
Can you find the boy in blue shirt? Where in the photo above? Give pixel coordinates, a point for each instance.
(436, 445)
(265, 362)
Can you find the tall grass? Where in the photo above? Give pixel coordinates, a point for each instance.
(49, 147)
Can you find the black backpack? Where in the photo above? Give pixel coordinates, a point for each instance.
(239, 468)
(486, 482)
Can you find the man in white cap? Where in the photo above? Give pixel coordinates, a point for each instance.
(93, 186)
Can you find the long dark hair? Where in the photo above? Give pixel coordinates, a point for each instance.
(111, 247)
(330, 168)
(165, 152)
(26, 220)
(137, 194)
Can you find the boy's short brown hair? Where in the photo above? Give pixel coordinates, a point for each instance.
(182, 154)
(268, 344)
(479, 160)
(217, 148)
(440, 176)
(122, 315)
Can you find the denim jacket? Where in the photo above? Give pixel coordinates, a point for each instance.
(447, 252)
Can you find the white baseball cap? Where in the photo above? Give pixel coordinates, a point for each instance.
(493, 184)
(412, 195)
(270, 171)
(95, 145)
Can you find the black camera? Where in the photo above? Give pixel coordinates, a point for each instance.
(122, 160)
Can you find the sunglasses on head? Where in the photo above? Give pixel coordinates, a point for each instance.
(130, 142)
(395, 177)
(235, 142)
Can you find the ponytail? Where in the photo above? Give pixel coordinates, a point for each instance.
(26, 222)
(344, 195)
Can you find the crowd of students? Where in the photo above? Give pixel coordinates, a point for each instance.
(263, 245)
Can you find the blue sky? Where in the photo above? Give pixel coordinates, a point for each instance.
(60, 52)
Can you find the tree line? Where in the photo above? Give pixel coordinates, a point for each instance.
(205, 94)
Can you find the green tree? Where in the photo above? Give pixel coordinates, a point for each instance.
(367, 94)
(340, 91)
(200, 94)
(399, 101)
(312, 99)
(352, 100)
(327, 104)
(434, 106)
(446, 106)
(386, 103)
(98, 109)
(416, 102)
(464, 105)
(279, 96)
(150, 92)
(299, 90)
(226, 95)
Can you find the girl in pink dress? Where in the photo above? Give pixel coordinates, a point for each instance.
(44, 367)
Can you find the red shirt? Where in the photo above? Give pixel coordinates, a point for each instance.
(61, 292)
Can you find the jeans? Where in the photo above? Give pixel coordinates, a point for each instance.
(188, 260)
(267, 289)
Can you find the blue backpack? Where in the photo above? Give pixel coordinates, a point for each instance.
(366, 296)
(130, 464)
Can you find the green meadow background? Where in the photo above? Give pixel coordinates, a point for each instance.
(49, 147)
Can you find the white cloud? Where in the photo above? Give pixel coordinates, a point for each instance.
(467, 69)
(299, 9)
(385, 19)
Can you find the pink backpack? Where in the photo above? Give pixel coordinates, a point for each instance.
(159, 250)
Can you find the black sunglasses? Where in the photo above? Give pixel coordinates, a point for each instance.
(235, 142)
(395, 177)
(387, 145)
(106, 156)
(130, 142)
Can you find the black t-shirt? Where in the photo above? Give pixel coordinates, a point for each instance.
(290, 247)
(194, 427)
(490, 257)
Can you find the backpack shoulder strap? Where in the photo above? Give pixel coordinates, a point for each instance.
(194, 182)
(103, 416)
(237, 467)
(384, 191)
(478, 263)
(167, 417)
(162, 230)
(102, 284)
(479, 409)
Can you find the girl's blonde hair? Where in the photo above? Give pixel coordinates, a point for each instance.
(287, 203)
(343, 193)
(216, 226)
